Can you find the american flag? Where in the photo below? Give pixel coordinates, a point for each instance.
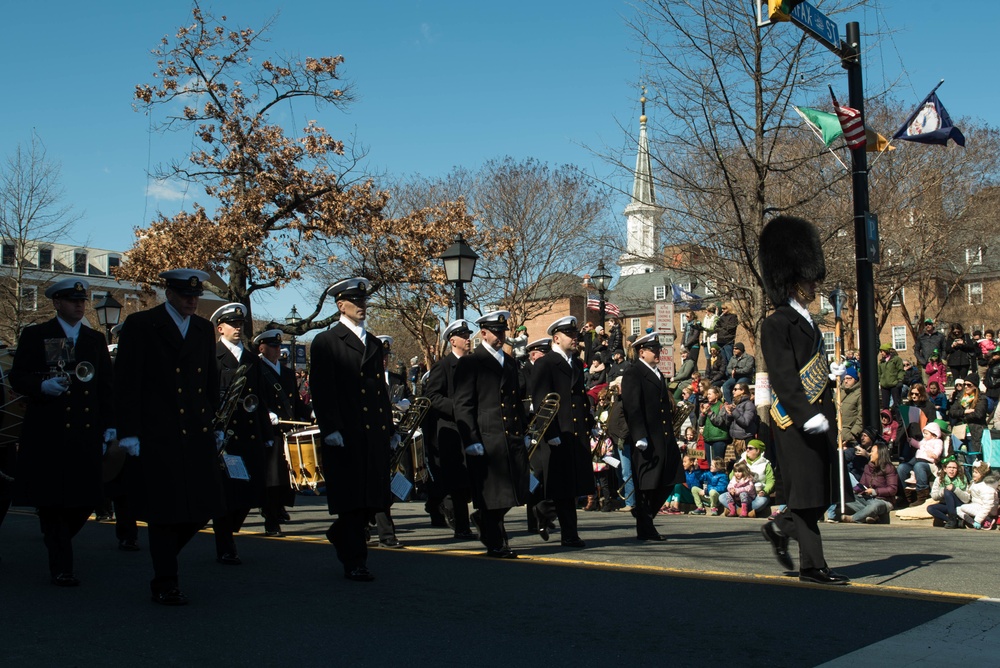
(851, 123)
(609, 308)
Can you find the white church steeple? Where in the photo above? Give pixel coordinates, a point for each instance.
(642, 213)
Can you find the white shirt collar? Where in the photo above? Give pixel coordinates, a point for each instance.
(562, 354)
(359, 330)
(235, 348)
(497, 355)
(71, 331)
(179, 320)
(651, 367)
(274, 365)
(801, 310)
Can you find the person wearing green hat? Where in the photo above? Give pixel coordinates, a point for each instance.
(935, 370)
(890, 375)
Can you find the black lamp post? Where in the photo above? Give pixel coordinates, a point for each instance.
(292, 320)
(459, 266)
(109, 313)
(601, 279)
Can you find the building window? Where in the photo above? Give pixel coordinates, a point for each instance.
(709, 288)
(899, 337)
(974, 255)
(113, 263)
(80, 262)
(29, 298)
(975, 293)
(825, 305)
(45, 259)
(634, 325)
(686, 287)
(897, 299)
(830, 344)
(7, 257)
(660, 293)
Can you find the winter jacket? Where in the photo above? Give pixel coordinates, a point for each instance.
(982, 502)
(715, 424)
(718, 481)
(976, 419)
(763, 473)
(744, 422)
(885, 483)
(890, 371)
(739, 486)
(927, 344)
(684, 373)
(930, 450)
(741, 366)
(693, 478)
(717, 370)
(725, 329)
(937, 372)
(961, 488)
(992, 380)
(962, 355)
(940, 401)
(912, 376)
(850, 413)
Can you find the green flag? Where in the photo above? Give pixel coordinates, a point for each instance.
(823, 123)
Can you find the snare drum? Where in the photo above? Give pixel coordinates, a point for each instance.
(305, 461)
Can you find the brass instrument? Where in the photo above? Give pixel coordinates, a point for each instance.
(229, 403)
(84, 372)
(544, 415)
(682, 410)
(406, 427)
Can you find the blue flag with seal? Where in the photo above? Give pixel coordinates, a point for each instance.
(930, 123)
(682, 296)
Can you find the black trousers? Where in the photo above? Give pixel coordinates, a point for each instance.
(386, 527)
(349, 535)
(59, 525)
(125, 525)
(165, 542)
(273, 505)
(563, 510)
(648, 504)
(802, 526)
(456, 504)
(225, 526)
(535, 498)
(492, 533)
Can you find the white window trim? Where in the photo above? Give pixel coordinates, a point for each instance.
(659, 293)
(977, 292)
(974, 255)
(52, 258)
(901, 330)
(635, 325)
(34, 298)
(86, 262)
(899, 297)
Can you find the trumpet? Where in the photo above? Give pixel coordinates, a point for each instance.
(406, 427)
(83, 372)
(544, 415)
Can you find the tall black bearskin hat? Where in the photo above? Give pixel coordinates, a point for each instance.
(789, 253)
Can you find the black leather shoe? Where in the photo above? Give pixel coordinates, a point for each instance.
(65, 580)
(275, 534)
(779, 543)
(391, 542)
(502, 553)
(128, 546)
(654, 536)
(359, 574)
(228, 559)
(284, 517)
(170, 597)
(466, 535)
(823, 576)
(438, 522)
(543, 525)
(572, 542)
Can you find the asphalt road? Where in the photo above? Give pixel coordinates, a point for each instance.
(712, 594)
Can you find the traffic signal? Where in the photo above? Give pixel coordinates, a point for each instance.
(781, 10)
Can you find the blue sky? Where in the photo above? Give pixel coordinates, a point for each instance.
(438, 84)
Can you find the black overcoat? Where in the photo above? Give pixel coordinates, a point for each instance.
(807, 462)
(445, 454)
(281, 394)
(166, 394)
(59, 461)
(349, 395)
(251, 429)
(649, 415)
(489, 409)
(566, 469)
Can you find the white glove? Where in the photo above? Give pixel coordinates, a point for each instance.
(274, 419)
(220, 437)
(817, 424)
(130, 444)
(334, 439)
(268, 444)
(53, 387)
(395, 441)
(403, 404)
(475, 449)
(555, 441)
(837, 370)
(110, 434)
(418, 434)
(642, 444)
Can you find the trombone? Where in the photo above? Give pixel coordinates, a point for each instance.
(544, 415)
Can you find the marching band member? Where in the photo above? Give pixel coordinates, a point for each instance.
(792, 264)
(564, 453)
(656, 460)
(281, 395)
(352, 408)
(489, 411)
(536, 350)
(251, 429)
(399, 392)
(166, 395)
(66, 421)
(450, 491)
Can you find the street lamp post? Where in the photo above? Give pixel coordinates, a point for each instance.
(601, 280)
(109, 313)
(292, 320)
(459, 267)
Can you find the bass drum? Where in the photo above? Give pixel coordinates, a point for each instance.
(305, 461)
(11, 415)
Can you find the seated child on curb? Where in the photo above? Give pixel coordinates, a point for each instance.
(981, 510)
(682, 491)
(712, 485)
(741, 489)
